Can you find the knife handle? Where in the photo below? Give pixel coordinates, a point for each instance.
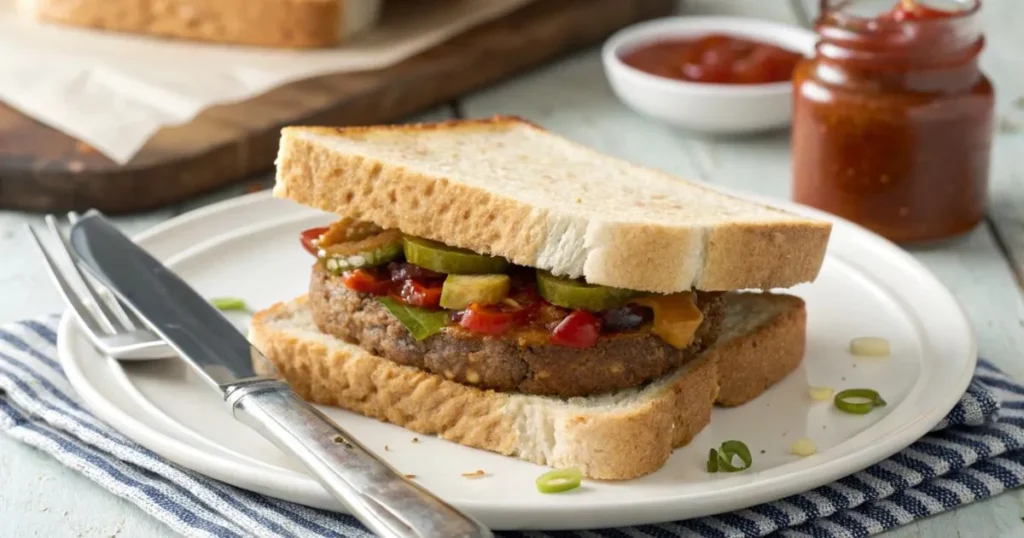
(381, 498)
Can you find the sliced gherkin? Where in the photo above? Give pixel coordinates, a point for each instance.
(445, 259)
(460, 291)
(580, 295)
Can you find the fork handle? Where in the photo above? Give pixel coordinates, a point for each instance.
(381, 498)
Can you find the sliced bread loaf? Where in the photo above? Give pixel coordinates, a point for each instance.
(507, 187)
(269, 23)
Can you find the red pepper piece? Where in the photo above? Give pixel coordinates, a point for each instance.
(578, 329)
(414, 293)
(364, 281)
(494, 319)
(308, 236)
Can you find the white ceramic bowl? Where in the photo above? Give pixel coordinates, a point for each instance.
(709, 108)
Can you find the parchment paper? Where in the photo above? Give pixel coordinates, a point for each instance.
(114, 91)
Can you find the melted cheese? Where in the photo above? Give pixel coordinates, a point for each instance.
(676, 317)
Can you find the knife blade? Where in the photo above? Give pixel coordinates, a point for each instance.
(200, 333)
(247, 381)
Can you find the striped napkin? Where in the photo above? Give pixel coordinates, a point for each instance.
(976, 452)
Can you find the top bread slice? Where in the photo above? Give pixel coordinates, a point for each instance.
(268, 23)
(507, 187)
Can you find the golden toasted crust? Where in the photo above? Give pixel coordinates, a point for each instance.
(272, 23)
(435, 181)
(737, 258)
(612, 437)
(762, 352)
(619, 444)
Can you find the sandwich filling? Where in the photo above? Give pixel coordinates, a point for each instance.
(480, 320)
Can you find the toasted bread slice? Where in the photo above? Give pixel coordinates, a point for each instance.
(615, 436)
(761, 342)
(268, 23)
(506, 187)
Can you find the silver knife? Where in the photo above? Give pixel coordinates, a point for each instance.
(376, 494)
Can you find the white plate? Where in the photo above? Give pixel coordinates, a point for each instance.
(248, 247)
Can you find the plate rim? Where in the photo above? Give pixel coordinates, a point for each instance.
(304, 489)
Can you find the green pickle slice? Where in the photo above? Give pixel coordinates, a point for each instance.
(377, 249)
(580, 295)
(445, 259)
(460, 291)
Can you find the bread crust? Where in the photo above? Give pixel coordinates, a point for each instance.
(612, 437)
(749, 365)
(270, 23)
(774, 250)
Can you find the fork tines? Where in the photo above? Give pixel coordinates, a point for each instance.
(112, 327)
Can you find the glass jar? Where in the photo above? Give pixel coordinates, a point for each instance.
(892, 122)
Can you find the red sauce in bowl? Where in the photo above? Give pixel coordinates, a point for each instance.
(716, 59)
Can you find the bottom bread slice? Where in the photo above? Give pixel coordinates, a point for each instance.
(616, 436)
(762, 341)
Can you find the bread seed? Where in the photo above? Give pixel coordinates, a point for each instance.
(472, 376)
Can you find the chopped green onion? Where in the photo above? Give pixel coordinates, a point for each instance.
(858, 401)
(712, 461)
(228, 303)
(721, 459)
(731, 449)
(559, 480)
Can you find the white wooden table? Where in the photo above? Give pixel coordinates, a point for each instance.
(39, 497)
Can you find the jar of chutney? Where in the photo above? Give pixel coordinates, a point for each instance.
(892, 119)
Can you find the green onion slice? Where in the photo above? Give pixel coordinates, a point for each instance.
(228, 303)
(712, 461)
(728, 451)
(722, 458)
(559, 480)
(858, 401)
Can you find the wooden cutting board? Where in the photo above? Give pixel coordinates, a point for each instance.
(44, 170)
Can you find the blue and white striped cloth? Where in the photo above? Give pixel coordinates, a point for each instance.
(975, 453)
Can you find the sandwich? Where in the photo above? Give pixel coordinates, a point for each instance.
(505, 288)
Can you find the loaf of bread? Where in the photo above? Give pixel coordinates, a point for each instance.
(506, 187)
(268, 23)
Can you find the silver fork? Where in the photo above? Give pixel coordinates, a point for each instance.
(111, 327)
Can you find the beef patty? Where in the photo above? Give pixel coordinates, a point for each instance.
(509, 363)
